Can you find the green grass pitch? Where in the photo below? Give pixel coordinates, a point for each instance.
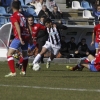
(55, 83)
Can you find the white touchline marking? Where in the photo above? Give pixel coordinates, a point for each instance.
(51, 88)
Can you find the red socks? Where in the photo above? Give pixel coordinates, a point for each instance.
(25, 63)
(11, 64)
(21, 60)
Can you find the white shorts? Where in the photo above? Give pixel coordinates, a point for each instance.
(52, 48)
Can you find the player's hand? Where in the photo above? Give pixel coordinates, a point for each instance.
(76, 52)
(92, 43)
(22, 42)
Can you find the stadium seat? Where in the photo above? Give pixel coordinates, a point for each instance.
(87, 14)
(3, 12)
(31, 11)
(28, 1)
(3, 20)
(76, 5)
(86, 5)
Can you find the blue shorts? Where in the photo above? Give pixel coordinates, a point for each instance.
(15, 44)
(96, 45)
(31, 47)
(92, 67)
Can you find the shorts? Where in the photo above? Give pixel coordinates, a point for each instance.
(96, 45)
(15, 44)
(52, 48)
(92, 67)
(31, 47)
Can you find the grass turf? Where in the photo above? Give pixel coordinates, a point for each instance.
(50, 84)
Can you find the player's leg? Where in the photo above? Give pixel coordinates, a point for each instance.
(52, 56)
(83, 62)
(96, 47)
(25, 58)
(38, 57)
(54, 51)
(13, 47)
(45, 48)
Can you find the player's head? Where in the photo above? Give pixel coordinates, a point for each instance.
(30, 20)
(42, 18)
(15, 5)
(48, 22)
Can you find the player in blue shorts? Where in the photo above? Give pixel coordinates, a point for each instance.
(90, 62)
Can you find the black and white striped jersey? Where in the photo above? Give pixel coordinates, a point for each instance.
(54, 36)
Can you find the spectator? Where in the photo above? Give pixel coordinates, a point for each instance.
(82, 48)
(56, 14)
(63, 49)
(97, 14)
(38, 5)
(68, 3)
(44, 12)
(50, 4)
(0, 3)
(71, 47)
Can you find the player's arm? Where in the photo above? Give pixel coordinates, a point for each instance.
(93, 34)
(19, 31)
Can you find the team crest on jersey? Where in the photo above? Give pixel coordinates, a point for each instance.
(35, 28)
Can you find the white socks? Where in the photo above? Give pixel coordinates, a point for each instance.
(49, 59)
(37, 58)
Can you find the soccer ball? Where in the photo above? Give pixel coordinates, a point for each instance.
(36, 67)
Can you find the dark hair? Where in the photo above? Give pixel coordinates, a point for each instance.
(16, 5)
(43, 16)
(31, 16)
(48, 20)
(72, 38)
(83, 39)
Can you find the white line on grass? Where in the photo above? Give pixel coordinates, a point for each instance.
(51, 88)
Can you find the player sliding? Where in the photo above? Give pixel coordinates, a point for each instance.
(53, 43)
(91, 62)
(21, 39)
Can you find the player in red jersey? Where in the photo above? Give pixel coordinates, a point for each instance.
(96, 35)
(90, 62)
(21, 39)
(34, 28)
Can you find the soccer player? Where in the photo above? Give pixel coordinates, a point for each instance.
(96, 35)
(21, 39)
(34, 29)
(91, 62)
(53, 43)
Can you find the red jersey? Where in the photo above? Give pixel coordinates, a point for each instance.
(97, 61)
(18, 17)
(35, 29)
(97, 33)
